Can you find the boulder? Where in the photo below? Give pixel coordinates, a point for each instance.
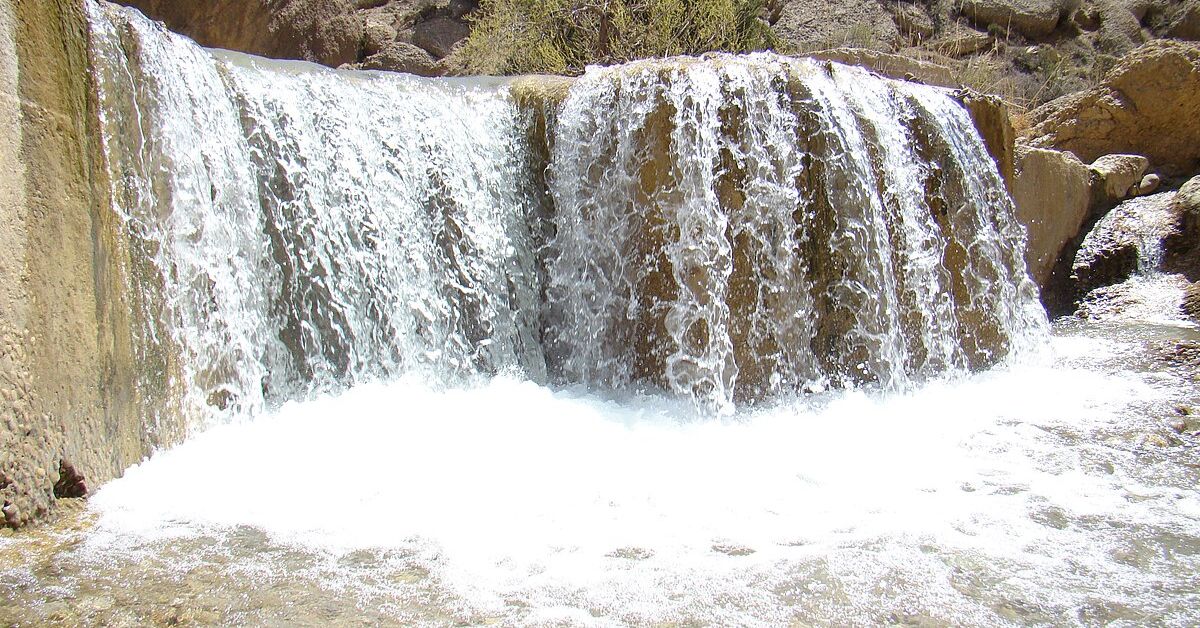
(324, 31)
(1186, 22)
(399, 56)
(806, 25)
(1187, 199)
(913, 21)
(1149, 104)
(1127, 238)
(1120, 25)
(1137, 8)
(1117, 177)
(439, 35)
(1186, 207)
(377, 36)
(960, 41)
(1088, 18)
(1034, 19)
(1148, 185)
(1191, 301)
(1052, 192)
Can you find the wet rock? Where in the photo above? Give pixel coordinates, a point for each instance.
(1191, 301)
(1184, 353)
(96, 604)
(1117, 176)
(732, 550)
(1053, 194)
(12, 514)
(1154, 439)
(631, 553)
(991, 117)
(1185, 425)
(1149, 104)
(71, 483)
(1111, 251)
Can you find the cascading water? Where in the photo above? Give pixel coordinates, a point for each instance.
(310, 229)
(468, 324)
(724, 230)
(743, 226)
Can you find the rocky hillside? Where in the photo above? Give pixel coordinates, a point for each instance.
(1029, 51)
(405, 35)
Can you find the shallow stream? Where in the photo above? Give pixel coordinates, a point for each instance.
(1057, 488)
(708, 341)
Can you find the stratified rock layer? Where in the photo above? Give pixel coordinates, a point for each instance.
(1148, 105)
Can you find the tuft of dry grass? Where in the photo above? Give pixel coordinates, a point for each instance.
(565, 36)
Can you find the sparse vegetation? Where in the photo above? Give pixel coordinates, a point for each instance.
(564, 36)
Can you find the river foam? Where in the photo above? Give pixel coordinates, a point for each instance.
(570, 503)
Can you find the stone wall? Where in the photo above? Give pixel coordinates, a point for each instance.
(69, 405)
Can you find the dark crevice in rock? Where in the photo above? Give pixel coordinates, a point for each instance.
(70, 482)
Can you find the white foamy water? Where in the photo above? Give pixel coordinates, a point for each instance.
(569, 504)
(531, 379)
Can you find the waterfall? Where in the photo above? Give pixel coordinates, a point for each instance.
(737, 227)
(724, 229)
(310, 229)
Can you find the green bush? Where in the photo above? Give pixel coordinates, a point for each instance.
(564, 36)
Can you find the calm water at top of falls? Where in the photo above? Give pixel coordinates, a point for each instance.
(416, 396)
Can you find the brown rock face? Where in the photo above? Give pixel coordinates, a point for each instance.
(990, 115)
(1186, 23)
(1191, 301)
(1053, 194)
(1149, 104)
(818, 24)
(1032, 18)
(1118, 176)
(324, 31)
(69, 404)
(894, 66)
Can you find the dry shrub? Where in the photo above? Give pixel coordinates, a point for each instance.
(564, 36)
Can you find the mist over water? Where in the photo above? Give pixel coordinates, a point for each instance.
(739, 340)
